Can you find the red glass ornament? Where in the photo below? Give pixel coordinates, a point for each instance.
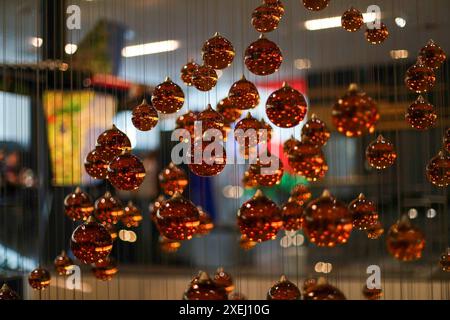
(377, 35)
(247, 244)
(112, 143)
(95, 165)
(327, 221)
(444, 263)
(372, 294)
(259, 218)
(224, 280)
(187, 72)
(218, 52)
(301, 194)
(355, 114)
(211, 119)
(6, 293)
(62, 264)
(438, 170)
(108, 209)
(168, 97)
(144, 116)
(208, 162)
(243, 94)
(206, 223)
(316, 5)
(167, 245)
(237, 296)
(178, 218)
(91, 242)
(265, 18)
(364, 212)
(286, 107)
(203, 288)
(172, 179)
(154, 207)
(267, 172)
(126, 172)
(375, 231)
(308, 160)
(323, 291)
(405, 242)
(132, 216)
(352, 20)
(249, 180)
(420, 78)
(39, 279)
(187, 122)
(205, 78)
(432, 55)
(291, 145)
(228, 110)
(380, 154)
(105, 269)
(284, 290)
(78, 205)
(421, 115)
(277, 5)
(246, 131)
(263, 57)
(292, 215)
(446, 140)
(316, 131)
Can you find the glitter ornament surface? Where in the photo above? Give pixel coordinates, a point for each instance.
(91, 242)
(380, 154)
(352, 20)
(364, 212)
(420, 78)
(105, 269)
(286, 107)
(291, 145)
(301, 194)
(375, 231)
(267, 172)
(39, 279)
(284, 290)
(224, 280)
(167, 245)
(187, 122)
(438, 170)
(277, 5)
(172, 179)
(444, 263)
(144, 116)
(178, 218)
(377, 35)
(259, 218)
(95, 165)
(78, 205)
(249, 180)
(218, 52)
(405, 242)
(263, 57)
(6, 293)
(203, 288)
(243, 94)
(62, 264)
(132, 216)
(432, 55)
(168, 97)
(355, 114)
(246, 131)
(210, 163)
(292, 215)
(204, 78)
(211, 119)
(126, 172)
(316, 5)
(108, 209)
(307, 160)
(323, 291)
(206, 224)
(327, 221)
(372, 294)
(228, 110)
(112, 143)
(421, 115)
(316, 131)
(265, 18)
(187, 72)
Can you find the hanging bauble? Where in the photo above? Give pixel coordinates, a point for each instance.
(421, 115)
(105, 269)
(243, 94)
(308, 160)
(6, 293)
(211, 119)
(377, 35)
(265, 18)
(78, 205)
(249, 180)
(112, 230)
(375, 231)
(266, 132)
(209, 161)
(62, 264)
(316, 5)
(218, 52)
(205, 78)
(91, 242)
(187, 72)
(380, 154)
(438, 170)
(246, 131)
(172, 179)
(327, 221)
(178, 218)
(112, 143)
(206, 223)
(405, 242)
(277, 5)
(168, 97)
(444, 263)
(355, 114)
(237, 296)
(286, 107)
(316, 131)
(420, 78)
(132, 216)
(224, 280)
(259, 218)
(291, 145)
(364, 212)
(263, 57)
(323, 291)
(352, 20)
(284, 290)
(292, 215)
(95, 165)
(39, 279)
(446, 140)
(228, 110)
(144, 116)
(126, 172)
(267, 171)
(309, 283)
(246, 244)
(154, 207)
(187, 122)
(167, 245)
(203, 288)
(108, 209)
(301, 194)
(432, 55)
(372, 294)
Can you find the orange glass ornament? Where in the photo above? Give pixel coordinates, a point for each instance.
(284, 290)
(323, 291)
(95, 165)
(203, 288)
(39, 279)
(291, 145)
(6, 293)
(292, 215)
(243, 94)
(432, 55)
(286, 107)
(62, 264)
(377, 35)
(168, 97)
(316, 5)
(205, 78)
(187, 72)
(218, 52)
(108, 209)
(105, 269)
(167, 245)
(308, 160)
(268, 171)
(247, 244)
(228, 110)
(249, 180)
(126, 172)
(112, 143)
(178, 218)
(352, 20)
(187, 122)
(327, 221)
(144, 116)
(265, 18)
(438, 170)
(301, 194)
(420, 78)
(421, 115)
(78, 205)
(444, 263)
(211, 119)
(364, 212)
(224, 280)
(277, 5)
(375, 231)
(132, 216)
(209, 162)
(355, 114)
(154, 207)
(405, 242)
(259, 218)
(206, 223)
(316, 131)
(263, 57)
(172, 179)
(372, 294)
(380, 154)
(112, 230)
(246, 131)
(91, 242)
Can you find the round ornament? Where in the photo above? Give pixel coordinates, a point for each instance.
(112, 143)
(438, 170)
(301, 194)
(246, 131)
(421, 115)
(211, 119)
(206, 223)
(203, 288)
(308, 160)
(364, 213)
(39, 279)
(265, 18)
(432, 55)
(168, 97)
(144, 116)
(377, 35)
(243, 94)
(187, 72)
(132, 216)
(95, 165)
(352, 20)
(218, 52)
(224, 280)
(277, 5)
(187, 122)
(172, 179)
(375, 231)
(316, 131)
(268, 171)
(6, 293)
(380, 154)
(207, 160)
(228, 110)
(78, 205)
(126, 172)
(284, 290)
(323, 291)
(292, 215)
(263, 57)
(205, 78)
(105, 269)
(316, 5)
(405, 242)
(286, 107)
(249, 180)
(420, 78)
(108, 209)
(62, 264)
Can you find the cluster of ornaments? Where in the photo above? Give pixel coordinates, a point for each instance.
(352, 20)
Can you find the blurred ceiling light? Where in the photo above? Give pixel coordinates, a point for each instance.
(413, 213)
(302, 64)
(400, 22)
(232, 192)
(150, 48)
(70, 48)
(431, 213)
(36, 42)
(327, 267)
(399, 54)
(319, 267)
(334, 22)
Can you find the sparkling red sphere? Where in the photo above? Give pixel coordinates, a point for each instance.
(381, 154)
(206, 161)
(108, 209)
(62, 264)
(112, 143)
(263, 57)
(377, 35)
(316, 131)
(105, 269)
(286, 107)
(218, 52)
(78, 205)
(203, 288)
(404, 241)
(265, 18)
(438, 170)
(292, 215)
(95, 165)
(421, 115)
(204, 78)
(352, 20)
(420, 78)
(364, 213)
(243, 94)
(284, 290)
(168, 97)
(172, 179)
(187, 72)
(39, 279)
(144, 116)
(126, 172)
(432, 55)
